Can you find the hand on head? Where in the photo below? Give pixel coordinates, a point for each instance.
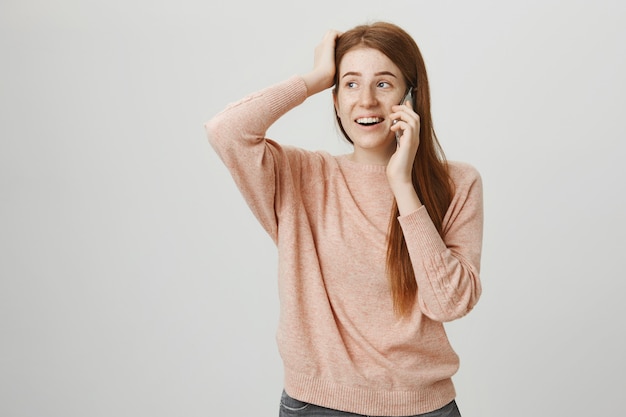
(323, 73)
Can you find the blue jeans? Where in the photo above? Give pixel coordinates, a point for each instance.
(290, 407)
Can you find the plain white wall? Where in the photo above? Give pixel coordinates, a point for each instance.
(135, 282)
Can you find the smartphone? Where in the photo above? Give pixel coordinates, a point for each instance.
(407, 96)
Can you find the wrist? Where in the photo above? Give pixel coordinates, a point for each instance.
(406, 197)
(401, 185)
(316, 82)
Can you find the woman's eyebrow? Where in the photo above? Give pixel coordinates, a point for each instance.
(378, 74)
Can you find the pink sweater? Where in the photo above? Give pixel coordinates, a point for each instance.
(342, 345)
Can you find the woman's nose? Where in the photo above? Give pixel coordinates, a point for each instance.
(367, 98)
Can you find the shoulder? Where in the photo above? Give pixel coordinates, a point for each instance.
(310, 169)
(309, 160)
(463, 172)
(465, 177)
(467, 200)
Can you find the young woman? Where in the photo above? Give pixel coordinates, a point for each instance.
(378, 247)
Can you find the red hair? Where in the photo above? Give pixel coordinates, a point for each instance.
(430, 175)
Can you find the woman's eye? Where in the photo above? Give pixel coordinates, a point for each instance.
(383, 84)
(351, 84)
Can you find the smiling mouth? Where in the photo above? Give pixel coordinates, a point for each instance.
(369, 121)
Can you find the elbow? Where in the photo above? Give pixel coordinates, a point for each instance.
(452, 307)
(219, 137)
(211, 128)
(447, 315)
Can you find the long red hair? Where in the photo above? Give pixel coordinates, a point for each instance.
(431, 178)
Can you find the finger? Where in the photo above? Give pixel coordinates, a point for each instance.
(407, 106)
(405, 116)
(400, 128)
(332, 34)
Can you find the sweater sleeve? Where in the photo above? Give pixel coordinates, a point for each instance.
(447, 270)
(238, 136)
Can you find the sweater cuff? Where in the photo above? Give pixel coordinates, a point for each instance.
(419, 225)
(286, 95)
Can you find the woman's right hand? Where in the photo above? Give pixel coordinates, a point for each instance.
(323, 74)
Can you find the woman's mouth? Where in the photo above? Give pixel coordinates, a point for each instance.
(369, 121)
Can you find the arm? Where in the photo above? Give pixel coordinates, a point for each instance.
(447, 270)
(238, 134)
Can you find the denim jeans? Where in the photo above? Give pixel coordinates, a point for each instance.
(290, 407)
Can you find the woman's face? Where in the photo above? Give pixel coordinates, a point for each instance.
(368, 85)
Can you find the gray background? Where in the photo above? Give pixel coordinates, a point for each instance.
(135, 282)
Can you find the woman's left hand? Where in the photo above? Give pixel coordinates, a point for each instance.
(407, 126)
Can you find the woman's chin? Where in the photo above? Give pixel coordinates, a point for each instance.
(374, 142)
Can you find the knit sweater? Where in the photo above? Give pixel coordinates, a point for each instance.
(341, 343)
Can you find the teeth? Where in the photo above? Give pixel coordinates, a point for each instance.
(369, 120)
